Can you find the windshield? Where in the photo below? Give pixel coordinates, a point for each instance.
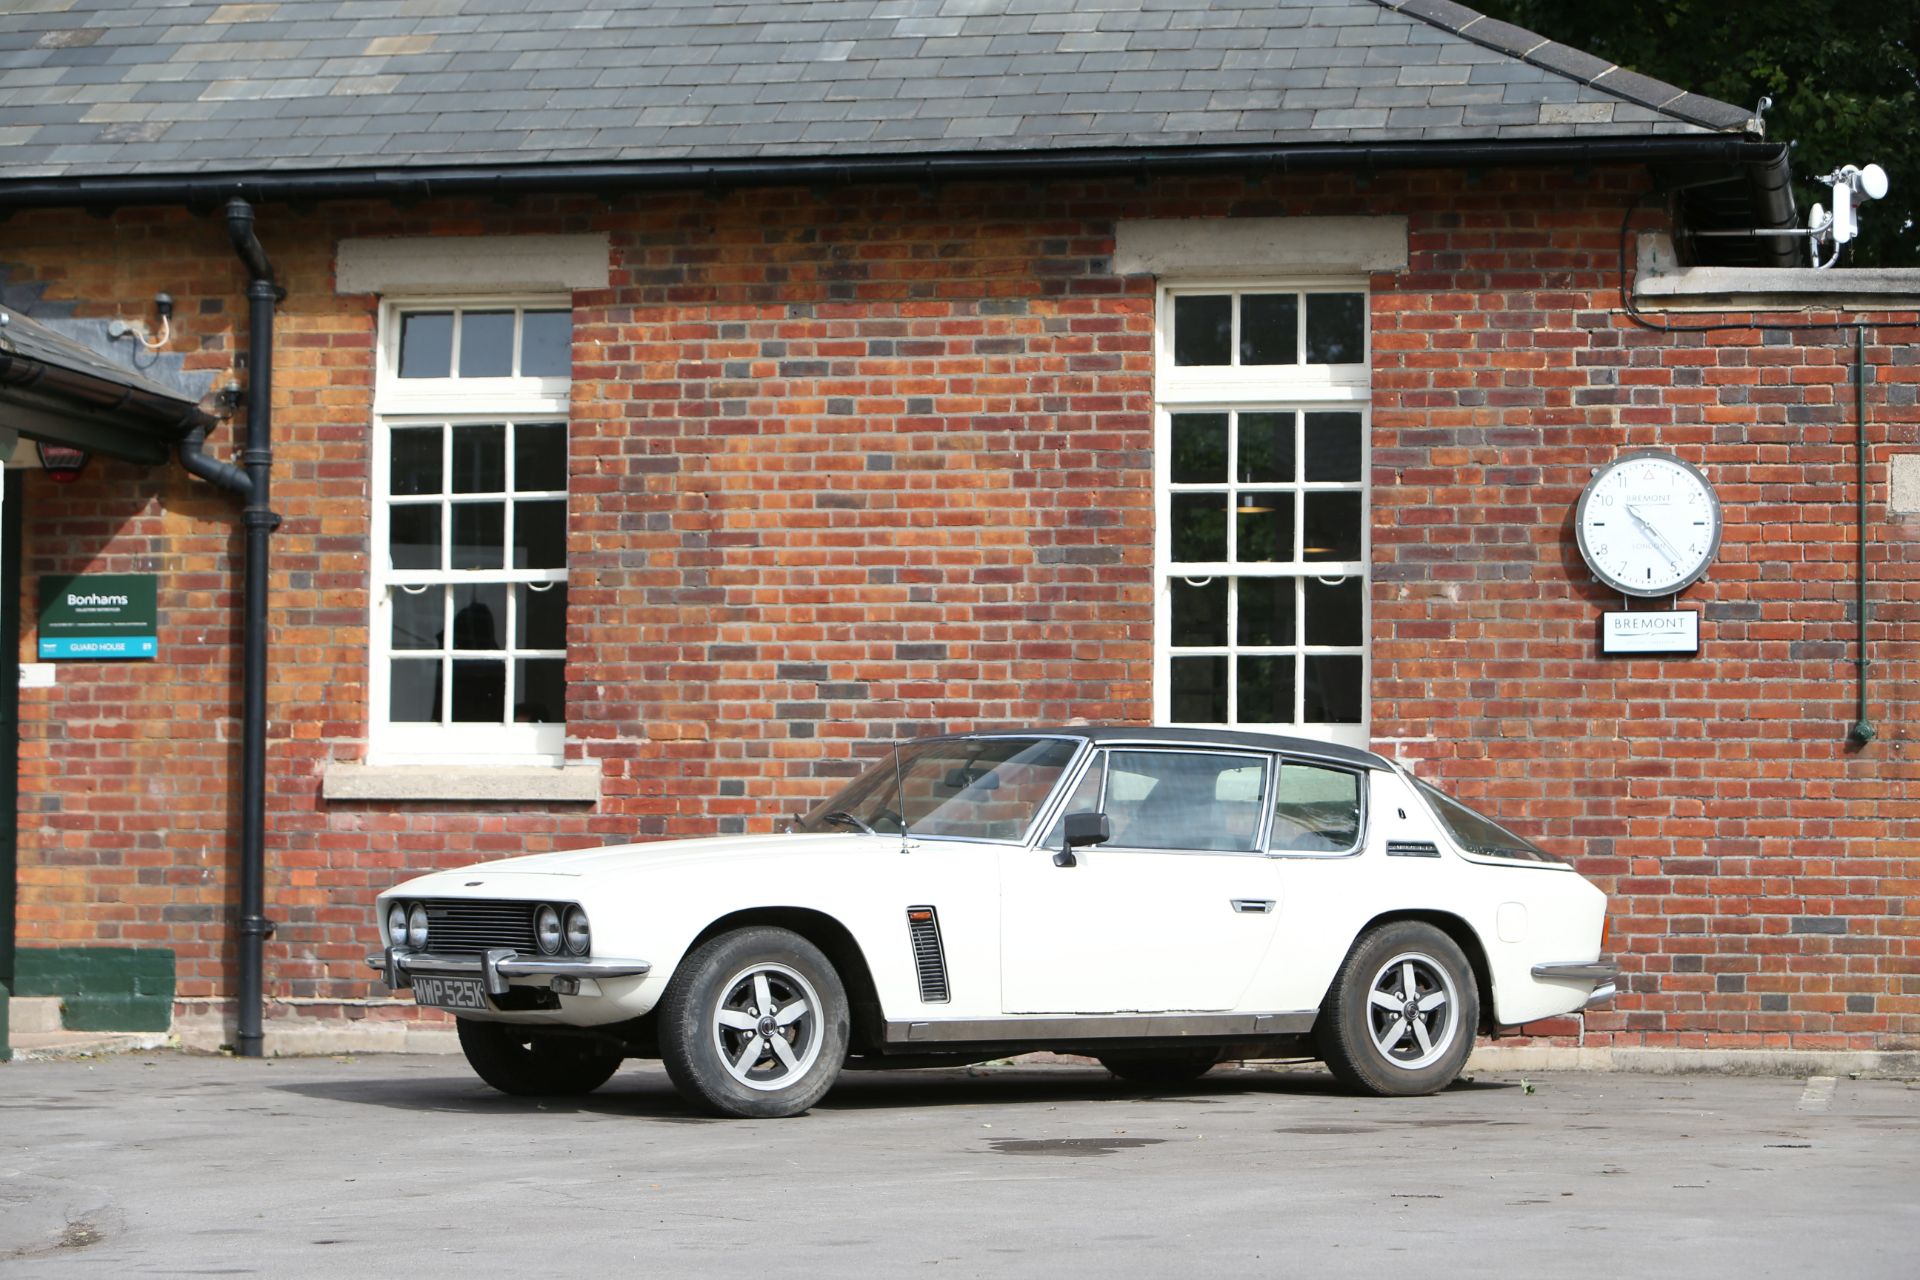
(964, 788)
(1477, 833)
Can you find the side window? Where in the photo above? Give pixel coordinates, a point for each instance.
(1315, 809)
(1185, 799)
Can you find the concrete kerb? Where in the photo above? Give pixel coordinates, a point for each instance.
(210, 1035)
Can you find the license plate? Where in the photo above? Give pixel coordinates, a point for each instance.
(450, 993)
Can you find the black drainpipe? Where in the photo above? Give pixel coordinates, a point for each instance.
(251, 482)
(1862, 732)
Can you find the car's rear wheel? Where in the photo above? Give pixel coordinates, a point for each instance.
(754, 1024)
(1161, 1068)
(522, 1062)
(1400, 1017)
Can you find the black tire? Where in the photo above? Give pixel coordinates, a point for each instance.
(520, 1061)
(1417, 1048)
(730, 1000)
(1161, 1068)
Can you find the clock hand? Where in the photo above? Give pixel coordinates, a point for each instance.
(1654, 538)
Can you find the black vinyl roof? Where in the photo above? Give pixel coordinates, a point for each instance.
(105, 88)
(1104, 734)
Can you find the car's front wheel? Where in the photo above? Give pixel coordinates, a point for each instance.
(754, 1024)
(1400, 1017)
(527, 1064)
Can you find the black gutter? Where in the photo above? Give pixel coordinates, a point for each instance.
(65, 405)
(252, 483)
(413, 182)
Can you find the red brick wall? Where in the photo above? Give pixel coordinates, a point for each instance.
(850, 462)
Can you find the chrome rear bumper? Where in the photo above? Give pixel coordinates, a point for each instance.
(1604, 975)
(397, 966)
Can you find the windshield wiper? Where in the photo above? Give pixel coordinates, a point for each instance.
(842, 818)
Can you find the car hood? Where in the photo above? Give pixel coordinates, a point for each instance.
(626, 858)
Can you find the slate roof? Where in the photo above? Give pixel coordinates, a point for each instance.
(118, 87)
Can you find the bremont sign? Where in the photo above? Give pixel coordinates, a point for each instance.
(1650, 631)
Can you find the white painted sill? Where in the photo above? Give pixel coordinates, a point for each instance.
(564, 784)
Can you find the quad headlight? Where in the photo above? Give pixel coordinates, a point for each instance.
(546, 929)
(579, 935)
(417, 927)
(396, 924)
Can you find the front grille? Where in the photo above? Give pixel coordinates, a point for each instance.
(929, 957)
(468, 926)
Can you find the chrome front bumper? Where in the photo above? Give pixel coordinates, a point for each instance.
(397, 965)
(1604, 975)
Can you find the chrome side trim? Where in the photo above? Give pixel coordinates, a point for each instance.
(397, 966)
(1602, 994)
(1253, 906)
(1578, 971)
(1099, 1027)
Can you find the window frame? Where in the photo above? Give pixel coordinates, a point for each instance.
(1233, 390)
(448, 403)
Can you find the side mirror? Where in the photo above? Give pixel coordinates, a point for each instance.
(1082, 829)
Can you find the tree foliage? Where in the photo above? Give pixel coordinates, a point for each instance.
(1844, 80)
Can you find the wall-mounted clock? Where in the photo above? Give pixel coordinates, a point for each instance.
(1648, 524)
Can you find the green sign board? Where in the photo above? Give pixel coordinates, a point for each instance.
(99, 615)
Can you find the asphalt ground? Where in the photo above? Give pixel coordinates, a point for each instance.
(167, 1164)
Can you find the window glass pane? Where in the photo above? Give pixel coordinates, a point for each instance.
(539, 456)
(1315, 810)
(1266, 526)
(1334, 611)
(414, 461)
(540, 534)
(1199, 527)
(419, 618)
(1266, 447)
(546, 344)
(1333, 688)
(1192, 800)
(540, 691)
(1199, 613)
(480, 459)
(1199, 448)
(486, 344)
(426, 344)
(1269, 328)
(1266, 611)
(1332, 527)
(1333, 446)
(540, 617)
(413, 536)
(1203, 330)
(413, 691)
(1085, 799)
(479, 691)
(1336, 328)
(480, 615)
(1266, 690)
(1199, 690)
(479, 530)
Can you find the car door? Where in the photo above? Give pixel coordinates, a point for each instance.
(1175, 912)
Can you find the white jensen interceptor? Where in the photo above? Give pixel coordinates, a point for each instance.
(1160, 899)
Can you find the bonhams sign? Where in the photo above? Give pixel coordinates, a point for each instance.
(99, 615)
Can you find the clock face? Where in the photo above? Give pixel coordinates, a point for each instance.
(1648, 524)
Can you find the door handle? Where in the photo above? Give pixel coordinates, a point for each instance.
(1253, 906)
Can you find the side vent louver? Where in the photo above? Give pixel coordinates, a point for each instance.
(1412, 849)
(929, 957)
